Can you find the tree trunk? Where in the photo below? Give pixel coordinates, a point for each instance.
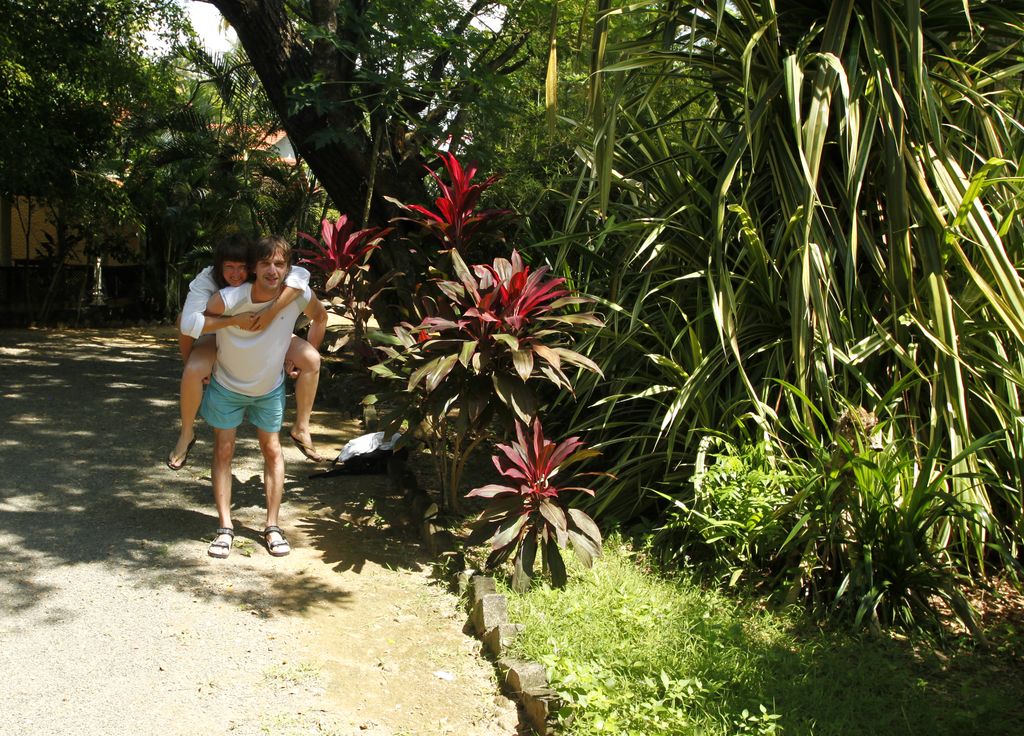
(342, 161)
(59, 260)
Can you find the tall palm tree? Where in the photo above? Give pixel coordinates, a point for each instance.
(210, 169)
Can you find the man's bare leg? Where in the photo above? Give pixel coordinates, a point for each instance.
(306, 360)
(273, 485)
(198, 366)
(223, 453)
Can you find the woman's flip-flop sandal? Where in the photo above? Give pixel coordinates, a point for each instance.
(184, 458)
(279, 548)
(218, 547)
(307, 450)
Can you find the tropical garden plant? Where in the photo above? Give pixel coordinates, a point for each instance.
(343, 255)
(457, 220)
(532, 514)
(871, 530)
(477, 356)
(823, 196)
(484, 337)
(731, 525)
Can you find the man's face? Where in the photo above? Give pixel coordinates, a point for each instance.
(235, 272)
(271, 271)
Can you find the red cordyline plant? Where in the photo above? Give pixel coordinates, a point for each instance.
(504, 316)
(343, 251)
(457, 221)
(496, 330)
(532, 513)
(343, 256)
(485, 334)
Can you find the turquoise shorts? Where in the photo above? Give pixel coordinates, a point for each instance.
(224, 409)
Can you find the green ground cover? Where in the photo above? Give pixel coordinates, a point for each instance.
(633, 653)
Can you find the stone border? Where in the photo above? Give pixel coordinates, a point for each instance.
(522, 680)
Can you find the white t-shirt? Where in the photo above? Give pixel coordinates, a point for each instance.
(203, 287)
(252, 363)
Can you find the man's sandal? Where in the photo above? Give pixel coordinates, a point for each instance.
(308, 450)
(279, 548)
(218, 547)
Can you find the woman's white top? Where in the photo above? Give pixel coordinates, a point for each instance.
(203, 287)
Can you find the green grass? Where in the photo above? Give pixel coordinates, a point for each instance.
(632, 653)
(285, 675)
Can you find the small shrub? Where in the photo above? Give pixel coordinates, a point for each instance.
(870, 539)
(730, 522)
(533, 514)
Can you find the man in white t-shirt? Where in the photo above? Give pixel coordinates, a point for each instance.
(248, 380)
(198, 344)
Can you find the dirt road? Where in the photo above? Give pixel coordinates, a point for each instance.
(114, 620)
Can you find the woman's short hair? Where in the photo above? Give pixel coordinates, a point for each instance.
(268, 245)
(236, 248)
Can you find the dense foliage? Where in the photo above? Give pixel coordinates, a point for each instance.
(793, 211)
(69, 73)
(206, 168)
(134, 152)
(368, 88)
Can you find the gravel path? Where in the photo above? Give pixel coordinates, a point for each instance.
(113, 619)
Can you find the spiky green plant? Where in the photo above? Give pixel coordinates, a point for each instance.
(823, 193)
(870, 534)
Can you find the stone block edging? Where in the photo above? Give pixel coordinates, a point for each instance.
(523, 680)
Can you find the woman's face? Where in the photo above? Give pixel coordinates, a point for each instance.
(235, 272)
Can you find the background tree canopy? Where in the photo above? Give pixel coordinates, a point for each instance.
(69, 73)
(366, 88)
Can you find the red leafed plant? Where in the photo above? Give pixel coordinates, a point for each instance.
(531, 514)
(343, 257)
(492, 332)
(456, 221)
(500, 318)
(343, 251)
(484, 334)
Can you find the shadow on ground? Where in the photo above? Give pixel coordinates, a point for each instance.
(88, 418)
